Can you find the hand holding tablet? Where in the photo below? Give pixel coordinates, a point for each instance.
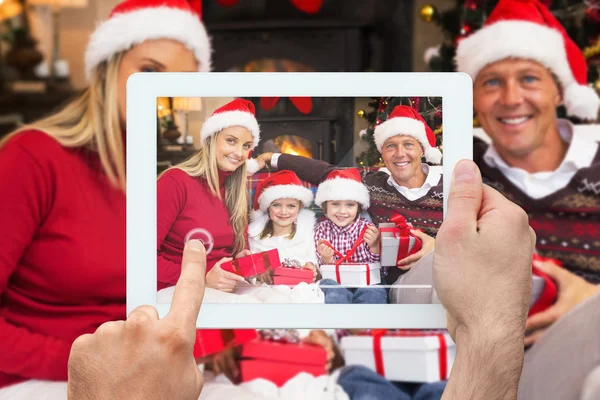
(145, 357)
(486, 317)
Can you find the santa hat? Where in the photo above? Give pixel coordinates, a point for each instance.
(404, 120)
(132, 22)
(281, 185)
(238, 112)
(343, 185)
(527, 29)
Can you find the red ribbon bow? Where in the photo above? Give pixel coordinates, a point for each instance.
(402, 231)
(349, 254)
(378, 351)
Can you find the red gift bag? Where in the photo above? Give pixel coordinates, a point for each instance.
(279, 362)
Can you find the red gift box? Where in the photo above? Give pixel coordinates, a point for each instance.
(548, 296)
(254, 264)
(279, 362)
(292, 276)
(397, 238)
(212, 341)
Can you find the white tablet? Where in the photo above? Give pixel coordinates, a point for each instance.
(337, 123)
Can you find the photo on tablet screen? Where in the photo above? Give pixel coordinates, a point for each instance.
(303, 200)
(317, 196)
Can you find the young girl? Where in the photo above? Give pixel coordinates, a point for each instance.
(342, 196)
(280, 220)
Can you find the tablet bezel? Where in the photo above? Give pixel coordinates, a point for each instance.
(143, 89)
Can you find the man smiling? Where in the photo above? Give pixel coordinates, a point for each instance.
(524, 66)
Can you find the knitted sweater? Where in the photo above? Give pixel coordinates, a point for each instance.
(566, 222)
(62, 254)
(185, 203)
(425, 213)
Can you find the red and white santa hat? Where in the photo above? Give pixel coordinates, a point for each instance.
(132, 22)
(405, 120)
(527, 29)
(238, 112)
(281, 185)
(343, 185)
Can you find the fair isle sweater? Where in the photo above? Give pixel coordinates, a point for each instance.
(566, 222)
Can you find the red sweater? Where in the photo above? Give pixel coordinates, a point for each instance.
(185, 203)
(62, 258)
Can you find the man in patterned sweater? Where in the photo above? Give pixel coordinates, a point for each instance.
(411, 188)
(523, 66)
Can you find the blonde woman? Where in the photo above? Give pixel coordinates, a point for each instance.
(209, 192)
(62, 235)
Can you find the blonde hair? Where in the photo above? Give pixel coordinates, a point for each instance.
(91, 121)
(204, 164)
(268, 230)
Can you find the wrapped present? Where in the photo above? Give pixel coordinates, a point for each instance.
(254, 264)
(352, 274)
(279, 361)
(292, 276)
(405, 355)
(544, 289)
(396, 241)
(212, 341)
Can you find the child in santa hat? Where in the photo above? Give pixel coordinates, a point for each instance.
(343, 197)
(281, 220)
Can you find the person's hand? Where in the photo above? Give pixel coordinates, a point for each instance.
(372, 239)
(320, 338)
(325, 252)
(243, 253)
(222, 280)
(428, 245)
(482, 276)
(263, 160)
(572, 290)
(483, 283)
(313, 268)
(224, 362)
(145, 357)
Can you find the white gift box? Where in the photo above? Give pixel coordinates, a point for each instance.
(403, 358)
(390, 244)
(353, 274)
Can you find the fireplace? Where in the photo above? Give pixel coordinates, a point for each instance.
(326, 133)
(343, 36)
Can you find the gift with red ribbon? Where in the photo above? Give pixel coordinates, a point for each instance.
(397, 242)
(279, 362)
(404, 355)
(254, 264)
(544, 291)
(351, 274)
(212, 341)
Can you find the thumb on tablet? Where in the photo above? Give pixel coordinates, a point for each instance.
(464, 199)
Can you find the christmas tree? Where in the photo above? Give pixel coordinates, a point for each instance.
(430, 108)
(581, 20)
